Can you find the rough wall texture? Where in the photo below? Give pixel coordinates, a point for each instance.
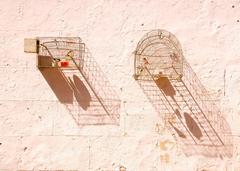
(37, 132)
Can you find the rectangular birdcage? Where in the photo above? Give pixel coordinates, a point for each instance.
(60, 52)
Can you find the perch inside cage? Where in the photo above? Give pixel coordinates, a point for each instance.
(60, 52)
(158, 53)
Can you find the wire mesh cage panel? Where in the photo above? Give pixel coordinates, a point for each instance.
(86, 108)
(161, 52)
(58, 51)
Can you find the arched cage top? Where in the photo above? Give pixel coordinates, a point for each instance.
(160, 52)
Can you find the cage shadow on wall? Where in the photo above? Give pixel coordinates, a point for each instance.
(174, 90)
(77, 81)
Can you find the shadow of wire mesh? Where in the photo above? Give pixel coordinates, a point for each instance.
(173, 88)
(92, 100)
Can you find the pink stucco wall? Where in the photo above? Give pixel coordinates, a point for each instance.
(38, 133)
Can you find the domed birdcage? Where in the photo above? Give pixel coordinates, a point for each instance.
(161, 52)
(177, 94)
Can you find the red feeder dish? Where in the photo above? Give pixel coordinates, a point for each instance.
(64, 63)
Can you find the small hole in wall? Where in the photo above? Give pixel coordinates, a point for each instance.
(233, 6)
(142, 24)
(238, 21)
(0, 143)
